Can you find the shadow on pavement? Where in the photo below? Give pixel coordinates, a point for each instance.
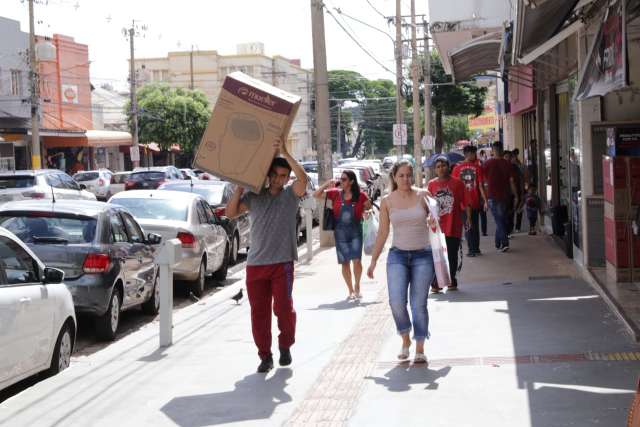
(564, 317)
(344, 305)
(255, 397)
(403, 376)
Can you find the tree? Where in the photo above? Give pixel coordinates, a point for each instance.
(451, 100)
(374, 111)
(455, 128)
(169, 116)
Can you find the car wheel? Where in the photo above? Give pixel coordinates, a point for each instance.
(235, 246)
(198, 285)
(221, 273)
(107, 324)
(152, 305)
(61, 358)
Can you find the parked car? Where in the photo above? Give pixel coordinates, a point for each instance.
(107, 259)
(97, 182)
(310, 167)
(375, 183)
(188, 173)
(40, 184)
(37, 322)
(118, 181)
(204, 175)
(151, 178)
(188, 217)
(217, 194)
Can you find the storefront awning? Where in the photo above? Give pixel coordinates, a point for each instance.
(89, 138)
(477, 56)
(540, 25)
(154, 146)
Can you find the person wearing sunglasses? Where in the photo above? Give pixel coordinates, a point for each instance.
(349, 207)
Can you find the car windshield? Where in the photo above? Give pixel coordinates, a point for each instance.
(120, 178)
(47, 227)
(211, 193)
(147, 175)
(148, 208)
(86, 176)
(16, 181)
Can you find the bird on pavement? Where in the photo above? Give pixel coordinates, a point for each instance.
(237, 297)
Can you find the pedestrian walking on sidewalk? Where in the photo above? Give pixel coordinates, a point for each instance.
(498, 175)
(470, 173)
(410, 260)
(449, 192)
(273, 250)
(349, 207)
(533, 207)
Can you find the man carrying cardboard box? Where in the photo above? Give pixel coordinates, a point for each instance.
(272, 253)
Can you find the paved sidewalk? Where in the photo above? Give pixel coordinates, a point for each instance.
(523, 343)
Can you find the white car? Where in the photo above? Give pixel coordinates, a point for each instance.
(117, 181)
(37, 319)
(188, 217)
(97, 182)
(40, 184)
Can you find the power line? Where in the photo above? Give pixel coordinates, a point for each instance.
(375, 9)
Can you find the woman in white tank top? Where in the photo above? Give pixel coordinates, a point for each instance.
(410, 261)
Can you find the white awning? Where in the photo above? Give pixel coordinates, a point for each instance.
(477, 56)
(107, 138)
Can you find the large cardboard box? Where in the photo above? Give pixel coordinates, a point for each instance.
(617, 242)
(247, 118)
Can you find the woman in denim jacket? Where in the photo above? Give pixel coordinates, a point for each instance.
(410, 261)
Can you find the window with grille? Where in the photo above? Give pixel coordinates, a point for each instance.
(16, 82)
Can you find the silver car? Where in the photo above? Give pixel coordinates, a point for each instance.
(40, 184)
(188, 217)
(97, 182)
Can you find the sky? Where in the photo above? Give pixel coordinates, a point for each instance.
(284, 26)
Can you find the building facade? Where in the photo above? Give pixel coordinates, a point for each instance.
(68, 139)
(206, 70)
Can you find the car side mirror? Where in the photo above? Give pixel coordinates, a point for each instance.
(83, 187)
(53, 276)
(154, 239)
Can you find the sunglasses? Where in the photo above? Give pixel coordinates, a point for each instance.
(344, 179)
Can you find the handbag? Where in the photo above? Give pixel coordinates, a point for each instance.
(328, 221)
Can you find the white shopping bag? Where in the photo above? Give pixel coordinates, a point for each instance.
(438, 245)
(369, 233)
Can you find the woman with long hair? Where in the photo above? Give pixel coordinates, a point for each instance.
(349, 206)
(410, 260)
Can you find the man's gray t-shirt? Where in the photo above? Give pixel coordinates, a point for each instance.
(273, 226)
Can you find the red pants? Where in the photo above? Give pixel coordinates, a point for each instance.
(264, 284)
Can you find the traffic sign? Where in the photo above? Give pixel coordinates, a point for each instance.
(134, 152)
(399, 134)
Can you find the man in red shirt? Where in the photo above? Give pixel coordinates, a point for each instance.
(499, 177)
(449, 192)
(470, 173)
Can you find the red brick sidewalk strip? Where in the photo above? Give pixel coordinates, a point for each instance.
(335, 393)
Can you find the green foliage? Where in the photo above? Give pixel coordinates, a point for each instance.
(454, 99)
(454, 129)
(171, 116)
(374, 117)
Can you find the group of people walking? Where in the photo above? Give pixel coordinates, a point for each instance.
(463, 194)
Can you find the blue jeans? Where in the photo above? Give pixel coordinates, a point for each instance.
(410, 272)
(499, 211)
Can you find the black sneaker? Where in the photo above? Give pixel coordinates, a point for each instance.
(285, 357)
(471, 254)
(265, 365)
(504, 249)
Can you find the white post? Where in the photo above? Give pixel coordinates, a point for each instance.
(307, 204)
(166, 258)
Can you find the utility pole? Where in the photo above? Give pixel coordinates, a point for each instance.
(417, 149)
(132, 83)
(427, 83)
(36, 162)
(325, 171)
(399, 100)
(191, 86)
(338, 133)
(325, 164)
